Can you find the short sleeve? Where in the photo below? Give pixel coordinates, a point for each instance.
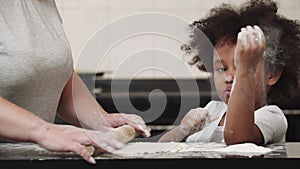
(216, 107)
(272, 123)
(57, 12)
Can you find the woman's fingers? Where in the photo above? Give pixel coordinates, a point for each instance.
(138, 123)
(131, 119)
(82, 151)
(70, 138)
(104, 141)
(97, 139)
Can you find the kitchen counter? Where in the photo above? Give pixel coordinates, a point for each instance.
(28, 155)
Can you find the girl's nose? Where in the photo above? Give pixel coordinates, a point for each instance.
(229, 78)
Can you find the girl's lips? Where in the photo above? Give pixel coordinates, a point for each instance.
(227, 91)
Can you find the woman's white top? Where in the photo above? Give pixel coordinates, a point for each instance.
(270, 120)
(35, 57)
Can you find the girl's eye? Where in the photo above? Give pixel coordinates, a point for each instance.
(222, 69)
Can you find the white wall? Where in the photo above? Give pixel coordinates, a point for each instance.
(82, 18)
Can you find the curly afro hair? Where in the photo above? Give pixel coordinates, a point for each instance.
(282, 41)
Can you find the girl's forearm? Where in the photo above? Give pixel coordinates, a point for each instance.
(241, 106)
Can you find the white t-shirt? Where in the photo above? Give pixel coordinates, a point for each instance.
(270, 120)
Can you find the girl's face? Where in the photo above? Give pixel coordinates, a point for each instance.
(224, 70)
(224, 73)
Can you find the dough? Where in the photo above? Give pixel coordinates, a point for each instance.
(124, 134)
(90, 149)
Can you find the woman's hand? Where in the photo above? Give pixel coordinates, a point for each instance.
(78, 107)
(120, 119)
(69, 138)
(250, 47)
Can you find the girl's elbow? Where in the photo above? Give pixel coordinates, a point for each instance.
(231, 139)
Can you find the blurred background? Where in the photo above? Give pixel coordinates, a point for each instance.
(82, 18)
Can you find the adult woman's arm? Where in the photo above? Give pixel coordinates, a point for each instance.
(19, 124)
(79, 107)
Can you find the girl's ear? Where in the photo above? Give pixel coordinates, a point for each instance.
(274, 77)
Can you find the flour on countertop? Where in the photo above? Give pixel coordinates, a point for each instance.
(246, 149)
(140, 148)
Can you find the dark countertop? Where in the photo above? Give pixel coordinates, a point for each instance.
(28, 155)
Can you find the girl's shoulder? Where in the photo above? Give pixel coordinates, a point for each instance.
(270, 108)
(216, 107)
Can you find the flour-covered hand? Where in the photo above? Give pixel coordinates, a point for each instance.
(195, 120)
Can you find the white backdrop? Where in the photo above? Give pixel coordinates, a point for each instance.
(82, 18)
